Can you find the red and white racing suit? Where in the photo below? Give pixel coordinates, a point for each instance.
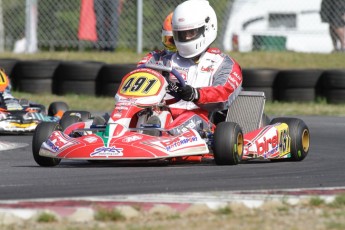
(217, 76)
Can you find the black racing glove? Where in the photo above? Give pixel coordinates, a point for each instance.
(188, 93)
(172, 87)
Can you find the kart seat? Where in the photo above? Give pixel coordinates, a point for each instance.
(247, 110)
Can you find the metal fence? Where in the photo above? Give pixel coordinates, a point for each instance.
(244, 25)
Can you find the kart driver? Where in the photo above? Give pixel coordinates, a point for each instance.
(213, 79)
(167, 41)
(7, 100)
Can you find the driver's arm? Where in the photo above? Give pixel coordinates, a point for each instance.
(227, 84)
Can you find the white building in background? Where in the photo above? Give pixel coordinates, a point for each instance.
(28, 44)
(292, 25)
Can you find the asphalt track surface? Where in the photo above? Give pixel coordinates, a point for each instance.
(22, 178)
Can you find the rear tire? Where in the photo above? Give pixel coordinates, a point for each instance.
(41, 134)
(300, 137)
(265, 120)
(228, 143)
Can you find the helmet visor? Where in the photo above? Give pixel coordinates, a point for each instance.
(189, 35)
(168, 42)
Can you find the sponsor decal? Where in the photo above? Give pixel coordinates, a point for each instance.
(190, 125)
(58, 142)
(237, 75)
(90, 139)
(207, 69)
(267, 146)
(214, 50)
(132, 138)
(18, 125)
(232, 80)
(284, 139)
(107, 152)
(121, 108)
(52, 146)
(180, 142)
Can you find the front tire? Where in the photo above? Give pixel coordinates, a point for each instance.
(68, 120)
(300, 137)
(57, 106)
(228, 143)
(41, 134)
(84, 115)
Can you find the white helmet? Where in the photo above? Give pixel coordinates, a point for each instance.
(194, 27)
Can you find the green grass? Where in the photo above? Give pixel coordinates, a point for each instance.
(46, 218)
(280, 60)
(339, 201)
(108, 215)
(316, 202)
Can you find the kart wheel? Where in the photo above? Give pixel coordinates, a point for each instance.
(300, 137)
(265, 120)
(57, 106)
(41, 134)
(84, 115)
(228, 143)
(68, 120)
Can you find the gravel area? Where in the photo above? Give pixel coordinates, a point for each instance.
(312, 213)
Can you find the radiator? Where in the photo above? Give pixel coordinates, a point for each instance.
(247, 110)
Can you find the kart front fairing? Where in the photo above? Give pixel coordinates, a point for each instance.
(140, 96)
(119, 143)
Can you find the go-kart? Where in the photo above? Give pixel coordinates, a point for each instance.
(130, 134)
(21, 115)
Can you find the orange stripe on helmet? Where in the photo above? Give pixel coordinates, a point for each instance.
(167, 22)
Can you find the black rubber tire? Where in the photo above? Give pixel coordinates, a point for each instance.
(333, 79)
(84, 115)
(41, 134)
(298, 78)
(36, 86)
(265, 120)
(228, 143)
(300, 85)
(78, 71)
(35, 76)
(335, 96)
(8, 65)
(300, 137)
(259, 77)
(110, 77)
(36, 69)
(66, 121)
(75, 87)
(332, 86)
(114, 72)
(76, 77)
(297, 95)
(57, 106)
(108, 89)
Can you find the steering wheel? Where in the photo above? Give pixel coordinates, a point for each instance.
(166, 69)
